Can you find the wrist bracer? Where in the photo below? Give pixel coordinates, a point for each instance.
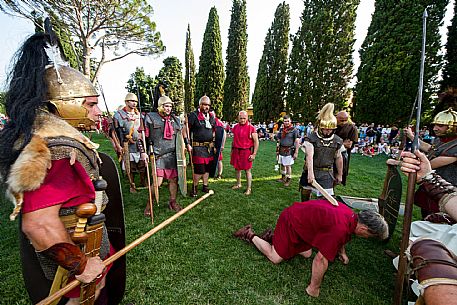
(433, 263)
(438, 189)
(68, 256)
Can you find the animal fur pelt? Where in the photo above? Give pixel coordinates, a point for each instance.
(29, 170)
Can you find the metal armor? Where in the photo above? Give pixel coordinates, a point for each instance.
(325, 150)
(164, 150)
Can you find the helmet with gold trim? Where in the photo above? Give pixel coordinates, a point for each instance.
(448, 118)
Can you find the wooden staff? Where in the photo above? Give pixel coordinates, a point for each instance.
(75, 283)
(324, 193)
(403, 261)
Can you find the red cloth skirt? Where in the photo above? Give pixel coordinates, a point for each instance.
(167, 173)
(286, 241)
(239, 158)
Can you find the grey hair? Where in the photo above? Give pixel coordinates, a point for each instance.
(204, 97)
(375, 223)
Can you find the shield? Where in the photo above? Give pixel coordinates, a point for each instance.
(38, 286)
(181, 162)
(155, 180)
(219, 137)
(114, 212)
(389, 201)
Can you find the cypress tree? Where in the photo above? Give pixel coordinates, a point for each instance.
(210, 76)
(450, 68)
(236, 86)
(171, 75)
(189, 79)
(388, 75)
(268, 98)
(320, 64)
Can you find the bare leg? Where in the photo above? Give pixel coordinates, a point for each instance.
(320, 265)
(238, 177)
(307, 253)
(441, 294)
(267, 249)
(220, 169)
(249, 178)
(173, 188)
(205, 178)
(196, 178)
(288, 171)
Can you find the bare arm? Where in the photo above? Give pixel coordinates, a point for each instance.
(442, 161)
(297, 147)
(343, 256)
(255, 138)
(309, 151)
(339, 166)
(44, 228)
(320, 265)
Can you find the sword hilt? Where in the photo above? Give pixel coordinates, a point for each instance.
(83, 212)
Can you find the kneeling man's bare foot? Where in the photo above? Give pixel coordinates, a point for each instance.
(307, 253)
(312, 292)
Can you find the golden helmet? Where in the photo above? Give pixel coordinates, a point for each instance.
(447, 117)
(67, 90)
(131, 97)
(325, 118)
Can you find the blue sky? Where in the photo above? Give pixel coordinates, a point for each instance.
(172, 17)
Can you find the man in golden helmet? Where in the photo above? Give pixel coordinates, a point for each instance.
(442, 154)
(322, 149)
(52, 171)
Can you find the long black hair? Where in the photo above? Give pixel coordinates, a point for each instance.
(26, 94)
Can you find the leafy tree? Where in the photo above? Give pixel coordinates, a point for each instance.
(269, 90)
(189, 78)
(115, 29)
(210, 76)
(236, 86)
(2, 102)
(171, 75)
(388, 75)
(320, 64)
(142, 85)
(450, 68)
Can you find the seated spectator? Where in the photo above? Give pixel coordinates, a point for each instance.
(383, 147)
(368, 151)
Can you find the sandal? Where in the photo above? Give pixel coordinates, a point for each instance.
(248, 192)
(236, 187)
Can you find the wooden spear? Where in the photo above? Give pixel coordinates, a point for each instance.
(75, 283)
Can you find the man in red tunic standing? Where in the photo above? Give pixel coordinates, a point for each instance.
(315, 224)
(244, 149)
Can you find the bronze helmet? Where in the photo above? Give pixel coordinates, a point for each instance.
(449, 118)
(67, 91)
(131, 97)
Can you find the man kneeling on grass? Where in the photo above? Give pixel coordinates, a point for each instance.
(315, 224)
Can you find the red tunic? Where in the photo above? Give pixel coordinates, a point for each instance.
(313, 224)
(241, 147)
(64, 184)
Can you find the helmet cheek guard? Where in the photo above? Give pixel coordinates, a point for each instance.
(67, 92)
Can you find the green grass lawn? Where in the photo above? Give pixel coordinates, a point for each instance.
(195, 260)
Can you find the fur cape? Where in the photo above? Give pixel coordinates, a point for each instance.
(31, 167)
